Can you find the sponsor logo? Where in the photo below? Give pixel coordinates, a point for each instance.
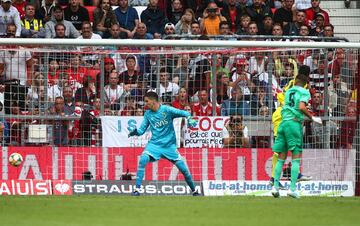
(126, 188)
(263, 188)
(62, 187)
(25, 187)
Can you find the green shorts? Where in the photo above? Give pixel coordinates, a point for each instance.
(289, 137)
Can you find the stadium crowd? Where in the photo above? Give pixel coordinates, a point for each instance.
(67, 82)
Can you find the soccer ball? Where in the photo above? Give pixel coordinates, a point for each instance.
(15, 159)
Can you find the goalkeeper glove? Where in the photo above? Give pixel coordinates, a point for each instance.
(316, 120)
(192, 123)
(133, 133)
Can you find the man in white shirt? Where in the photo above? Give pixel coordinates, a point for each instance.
(114, 93)
(167, 89)
(9, 15)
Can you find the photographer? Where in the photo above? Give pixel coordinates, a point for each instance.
(211, 20)
(235, 134)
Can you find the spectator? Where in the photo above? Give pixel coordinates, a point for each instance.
(260, 99)
(211, 20)
(104, 18)
(60, 31)
(131, 76)
(233, 14)
(236, 105)
(87, 93)
(204, 107)
(235, 134)
(139, 111)
(15, 65)
(315, 9)
(167, 89)
(58, 14)
(181, 72)
(224, 29)
(200, 73)
(31, 27)
(76, 14)
(288, 74)
(76, 70)
(317, 76)
(348, 128)
(339, 95)
(284, 15)
(318, 29)
(253, 30)
(46, 10)
(244, 25)
(20, 6)
(60, 126)
(127, 18)
(53, 72)
(267, 25)
(181, 100)
(56, 89)
(36, 92)
(257, 12)
(9, 15)
(242, 78)
(177, 11)
(293, 28)
(195, 28)
(109, 66)
(183, 26)
(223, 88)
(114, 93)
(15, 125)
(69, 101)
(169, 29)
(141, 32)
(154, 18)
(86, 31)
(329, 32)
(115, 32)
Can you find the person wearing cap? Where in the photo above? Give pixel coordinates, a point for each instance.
(318, 30)
(9, 15)
(315, 9)
(169, 29)
(58, 17)
(242, 78)
(267, 25)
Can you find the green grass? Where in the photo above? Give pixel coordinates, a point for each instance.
(175, 210)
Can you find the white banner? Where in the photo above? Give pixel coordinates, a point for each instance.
(207, 134)
(263, 188)
(116, 129)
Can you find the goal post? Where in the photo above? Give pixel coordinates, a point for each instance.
(68, 106)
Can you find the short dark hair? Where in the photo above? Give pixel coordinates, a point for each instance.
(152, 95)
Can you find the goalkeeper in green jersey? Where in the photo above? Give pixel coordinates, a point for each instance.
(289, 134)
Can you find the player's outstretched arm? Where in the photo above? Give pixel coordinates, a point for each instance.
(303, 108)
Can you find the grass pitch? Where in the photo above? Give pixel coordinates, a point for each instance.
(175, 210)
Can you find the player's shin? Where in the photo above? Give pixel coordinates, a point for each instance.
(275, 158)
(183, 168)
(278, 170)
(144, 160)
(295, 168)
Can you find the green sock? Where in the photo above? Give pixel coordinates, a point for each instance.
(295, 168)
(278, 170)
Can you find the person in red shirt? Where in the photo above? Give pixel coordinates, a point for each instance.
(204, 107)
(181, 100)
(315, 9)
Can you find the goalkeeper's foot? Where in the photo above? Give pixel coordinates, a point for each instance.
(303, 177)
(135, 193)
(293, 194)
(275, 192)
(196, 193)
(281, 187)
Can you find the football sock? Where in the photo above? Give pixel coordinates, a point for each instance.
(277, 174)
(295, 168)
(181, 165)
(144, 160)
(275, 158)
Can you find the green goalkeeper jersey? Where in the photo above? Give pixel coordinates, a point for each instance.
(293, 97)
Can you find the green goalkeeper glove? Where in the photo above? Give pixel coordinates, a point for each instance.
(192, 123)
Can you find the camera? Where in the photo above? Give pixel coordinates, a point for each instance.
(211, 10)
